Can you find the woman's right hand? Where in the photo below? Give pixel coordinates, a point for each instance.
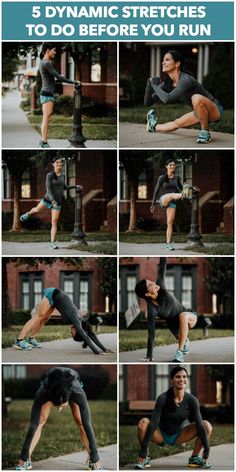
(54, 203)
(152, 208)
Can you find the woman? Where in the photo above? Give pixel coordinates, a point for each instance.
(48, 75)
(88, 329)
(59, 387)
(171, 189)
(55, 186)
(181, 87)
(168, 423)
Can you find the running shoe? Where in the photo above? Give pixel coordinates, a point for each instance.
(23, 345)
(186, 347)
(178, 357)
(42, 144)
(142, 464)
(26, 466)
(204, 137)
(92, 466)
(196, 461)
(24, 217)
(151, 121)
(53, 245)
(187, 191)
(169, 247)
(33, 343)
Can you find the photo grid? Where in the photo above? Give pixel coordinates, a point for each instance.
(118, 183)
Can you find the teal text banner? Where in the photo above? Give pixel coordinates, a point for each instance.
(140, 21)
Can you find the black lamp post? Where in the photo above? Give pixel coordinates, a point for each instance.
(194, 237)
(78, 233)
(77, 138)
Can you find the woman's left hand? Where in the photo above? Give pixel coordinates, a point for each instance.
(79, 188)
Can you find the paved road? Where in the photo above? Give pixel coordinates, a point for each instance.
(210, 350)
(42, 249)
(18, 133)
(133, 135)
(77, 461)
(221, 458)
(64, 351)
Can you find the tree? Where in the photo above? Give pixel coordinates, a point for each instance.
(225, 375)
(108, 283)
(12, 54)
(81, 51)
(221, 282)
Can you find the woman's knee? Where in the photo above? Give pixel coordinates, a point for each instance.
(208, 427)
(54, 221)
(196, 100)
(143, 423)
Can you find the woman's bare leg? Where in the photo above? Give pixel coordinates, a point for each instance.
(170, 214)
(166, 199)
(190, 432)
(47, 112)
(55, 217)
(186, 321)
(143, 424)
(184, 121)
(206, 110)
(37, 209)
(34, 325)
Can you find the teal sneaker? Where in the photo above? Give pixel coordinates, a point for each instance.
(186, 347)
(42, 144)
(92, 466)
(169, 247)
(143, 463)
(187, 192)
(151, 121)
(33, 343)
(26, 466)
(22, 345)
(53, 245)
(24, 217)
(204, 137)
(178, 357)
(196, 461)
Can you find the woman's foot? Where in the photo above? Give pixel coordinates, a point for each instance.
(24, 217)
(26, 466)
(204, 137)
(170, 247)
(151, 121)
(142, 463)
(33, 342)
(94, 466)
(186, 347)
(196, 461)
(53, 245)
(43, 144)
(22, 345)
(179, 356)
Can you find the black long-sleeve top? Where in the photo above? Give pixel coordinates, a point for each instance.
(89, 331)
(165, 185)
(55, 187)
(187, 87)
(48, 75)
(171, 418)
(71, 378)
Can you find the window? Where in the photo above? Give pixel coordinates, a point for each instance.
(123, 184)
(95, 73)
(184, 171)
(181, 282)
(31, 289)
(71, 67)
(14, 371)
(142, 185)
(161, 379)
(78, 285)
(25, 185)
(128, 280)
(5, 182)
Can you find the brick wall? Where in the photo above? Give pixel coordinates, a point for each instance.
(37, 370)
(206, 387)
(138, 382)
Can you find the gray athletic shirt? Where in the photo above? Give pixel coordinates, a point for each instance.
(49, 74)
(55, 186)
(185, 89)
(166, 186)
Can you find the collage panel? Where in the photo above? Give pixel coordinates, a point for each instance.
(59, 309)
(175, 416)
(176, 100)
(59, 95)
(59, 200)
(176, 309)
(176, 201)
(82, 435)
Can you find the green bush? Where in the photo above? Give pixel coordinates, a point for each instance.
(7, 218)
(217, 414)
(20, 317)
(25, 104)
(63, 105)
(110, 393)
(223, 321)
(221, 73)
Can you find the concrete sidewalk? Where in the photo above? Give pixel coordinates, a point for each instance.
(210, 350)
(77, 461)
(42, 249)
(133, 135)
(151, 249)
(221, 458)
(64, 351)
(18, 133)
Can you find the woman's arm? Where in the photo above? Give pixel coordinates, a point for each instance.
(49, 186)
(196, 415)
(177, 93)
(84, 335)
(153, 425)
(48, 65)
(162, 271)
(40, 399)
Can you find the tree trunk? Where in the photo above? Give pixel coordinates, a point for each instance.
(133, 212)
(16, 226)
(6, 310)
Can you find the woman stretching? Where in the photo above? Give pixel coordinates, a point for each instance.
(168, 423)
(164, 305)
(59, 387)
(170, 187)
(181, 87)
(55, 186)
(55, 298)
(48, 75)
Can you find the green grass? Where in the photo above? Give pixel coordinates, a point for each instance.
(170, 113)
(129, 447)
(93, 128)
(108, 248)
(131, 340)
(48, 333)
(60, 435)
(44, 236)
(220, 249)
(142, 237)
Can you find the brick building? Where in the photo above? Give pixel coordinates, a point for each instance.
(26, 283)
(184, 278)
(94, 170)
(211, 171)
(142, 382)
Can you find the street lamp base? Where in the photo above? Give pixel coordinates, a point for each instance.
(79, 241)
(197, 243)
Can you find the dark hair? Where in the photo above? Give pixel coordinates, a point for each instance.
(59, 394)
(166, 178)
(177, 56)
(141, 289)
(177, 369)
(56, 158)
(45, 47)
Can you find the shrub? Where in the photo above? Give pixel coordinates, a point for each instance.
(217, 414)
(7, 218)
(25, 104)
(63, 105)
(19, 317)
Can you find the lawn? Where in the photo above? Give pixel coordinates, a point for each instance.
(142, 237)
(93, 128)
(60, 435)
(39, 236)
(170, 113)
(137, 338)
(48, 333)
(129, 446)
